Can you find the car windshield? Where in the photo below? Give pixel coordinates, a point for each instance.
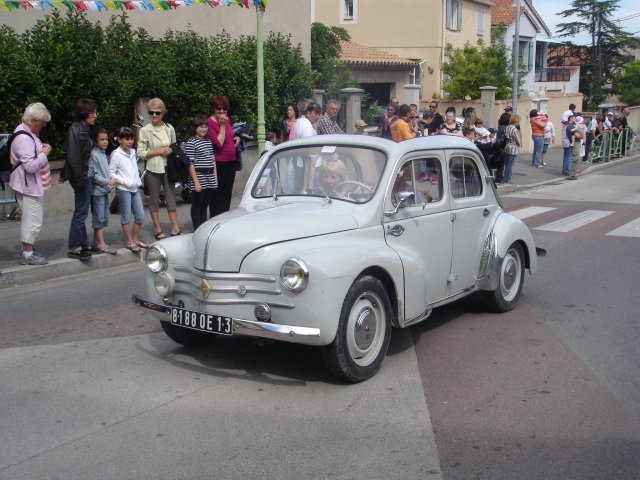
(331, 171)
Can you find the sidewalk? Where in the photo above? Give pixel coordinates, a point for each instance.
(55, 230)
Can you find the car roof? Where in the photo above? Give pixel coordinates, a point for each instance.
(392, 148)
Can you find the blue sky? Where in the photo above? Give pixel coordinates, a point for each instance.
(548, 9)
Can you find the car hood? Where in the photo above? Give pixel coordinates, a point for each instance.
(223, 242)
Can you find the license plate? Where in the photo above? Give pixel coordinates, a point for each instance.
(201, 321)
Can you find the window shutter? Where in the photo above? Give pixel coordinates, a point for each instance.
(459, 21)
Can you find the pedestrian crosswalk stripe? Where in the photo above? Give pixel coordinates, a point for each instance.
(574, 221)
(530, 211)
(631, 229)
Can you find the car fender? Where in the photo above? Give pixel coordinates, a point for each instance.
(506, 231)
(336, 259)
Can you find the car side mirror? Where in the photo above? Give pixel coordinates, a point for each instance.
(403, 198)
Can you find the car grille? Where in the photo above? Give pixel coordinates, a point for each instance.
(210, 288)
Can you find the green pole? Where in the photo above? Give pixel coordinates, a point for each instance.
(260, 72)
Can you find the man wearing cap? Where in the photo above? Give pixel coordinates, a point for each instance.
(360, 126)
(608, 120)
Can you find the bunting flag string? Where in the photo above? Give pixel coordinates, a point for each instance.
(120, 5)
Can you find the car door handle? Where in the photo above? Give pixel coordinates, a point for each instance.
(396, 230)
(486, 212)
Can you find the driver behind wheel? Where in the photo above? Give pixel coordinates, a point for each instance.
(332, 173)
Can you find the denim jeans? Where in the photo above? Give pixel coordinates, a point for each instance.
(130, 202)
(508, 167)
(538, 145)
(82, 202)
(100, 211)
(567, 156)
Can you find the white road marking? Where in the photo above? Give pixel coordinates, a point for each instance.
(530, 211)
(631, 229)
(575, 221)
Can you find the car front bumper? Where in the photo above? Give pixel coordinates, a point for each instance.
(248, 328)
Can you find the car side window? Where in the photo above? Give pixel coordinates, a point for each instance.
(464, 177)
(428, 174)
(423, 177)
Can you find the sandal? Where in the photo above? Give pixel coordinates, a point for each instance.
(179, 232)
(134, 248)
(106, 249)
(160, 236)
(142, 244)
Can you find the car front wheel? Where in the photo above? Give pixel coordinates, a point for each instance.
(186, 336)
(364, 332)
(505, 297)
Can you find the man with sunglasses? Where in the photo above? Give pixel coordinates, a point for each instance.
(432, 128)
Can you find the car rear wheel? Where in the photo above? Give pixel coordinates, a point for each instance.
(364, 332)
(186, 336)
(505, 297)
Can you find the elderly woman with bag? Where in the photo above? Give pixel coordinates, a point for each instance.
(154, 146)
(30, 178)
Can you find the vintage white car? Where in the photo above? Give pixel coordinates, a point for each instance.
(337, 239)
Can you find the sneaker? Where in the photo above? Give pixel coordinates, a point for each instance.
(79, 254)
(572, 177)
(34, 259)
(90, 251)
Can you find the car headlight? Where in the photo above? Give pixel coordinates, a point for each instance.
(163, 283)
(156, 259)
(294, 275)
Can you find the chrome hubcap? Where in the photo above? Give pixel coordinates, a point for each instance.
(365, 330)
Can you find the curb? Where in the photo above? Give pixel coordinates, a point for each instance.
(63, 267)
(504, 188)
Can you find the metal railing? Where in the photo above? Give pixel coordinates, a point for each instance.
(611, 145)
(553, 75)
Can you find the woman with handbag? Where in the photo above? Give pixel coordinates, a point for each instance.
(154, 147)
(224, 149)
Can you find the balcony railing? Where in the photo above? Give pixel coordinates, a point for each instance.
(553, 74)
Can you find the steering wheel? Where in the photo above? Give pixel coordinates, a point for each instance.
(356, 184)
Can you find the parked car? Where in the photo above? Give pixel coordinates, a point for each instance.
(338, 239)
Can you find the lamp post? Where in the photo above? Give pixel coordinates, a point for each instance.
(516, 66)
(260, 78)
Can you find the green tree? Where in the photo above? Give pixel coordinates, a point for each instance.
(325, 57)
(628, 83)
(116, 65)
(605, 56)
(474, 66)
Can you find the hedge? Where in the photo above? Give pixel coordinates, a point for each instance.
(63, 58)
